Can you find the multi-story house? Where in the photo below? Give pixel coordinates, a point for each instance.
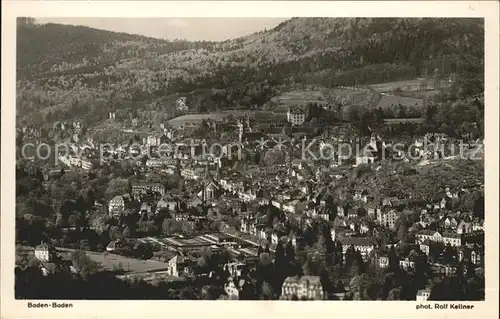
(382, 261)
(192, 173)
(44, 252)
(142, 188)
(464, 227)
(372, 208)
(452, 239)
(235, 268)
(450, 222)
(153, 140)
(181, 104)
(116, 205)
(340, 211)
(249, 226)
(425, 247)
(423, 295)
(352, 213)
(296, 115)
(406, 264)
(361, 196)
(362, 244)
(155, 163)
(211, 191)
(367, 156)
(390, 201)
(305, 287)
(477, 225)
(387, 218)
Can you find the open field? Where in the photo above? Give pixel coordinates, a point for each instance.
(300, 97)
(324, 96)
(389, 100)
(130, 265)
(198, 117)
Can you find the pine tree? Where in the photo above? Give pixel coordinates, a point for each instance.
(290, 252)
(279, 256)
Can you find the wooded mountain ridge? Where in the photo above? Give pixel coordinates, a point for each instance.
(64, 71)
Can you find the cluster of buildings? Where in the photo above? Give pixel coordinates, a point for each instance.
(49, 261)
(299, 190)
(76, 162)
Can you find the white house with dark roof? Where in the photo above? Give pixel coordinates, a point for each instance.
(116, 205)
(423, 295)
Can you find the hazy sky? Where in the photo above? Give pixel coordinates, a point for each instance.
(210, 29)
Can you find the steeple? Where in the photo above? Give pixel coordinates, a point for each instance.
(203, 191)
(240, 131)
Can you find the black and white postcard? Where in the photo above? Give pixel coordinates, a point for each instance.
(272, 152)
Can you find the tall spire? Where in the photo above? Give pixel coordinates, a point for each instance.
(217, 171)
(203, 191)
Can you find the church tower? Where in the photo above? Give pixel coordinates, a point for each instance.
(240, 131)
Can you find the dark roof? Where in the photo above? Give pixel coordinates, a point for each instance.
(43, 246)
(428, 232)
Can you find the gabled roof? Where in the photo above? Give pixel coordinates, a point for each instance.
(42, 246)
(451, 235)
(422, 291)
(177, 260)
(117, 198)
(428, 232)
(312, 280)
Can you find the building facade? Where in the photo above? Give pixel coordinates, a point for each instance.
(305, 287)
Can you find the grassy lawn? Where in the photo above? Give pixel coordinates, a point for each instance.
(408, 85)
(110, 261)
(180, 120)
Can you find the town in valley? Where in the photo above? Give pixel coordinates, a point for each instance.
(321, 159)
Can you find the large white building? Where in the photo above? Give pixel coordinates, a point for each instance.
(387, 219)
(44, 252)
(116, 205)
(296, 115)
(76, 162)
(307, 287)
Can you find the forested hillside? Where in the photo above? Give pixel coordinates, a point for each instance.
(67, 71)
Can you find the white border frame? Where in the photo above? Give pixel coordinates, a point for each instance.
(11, 308)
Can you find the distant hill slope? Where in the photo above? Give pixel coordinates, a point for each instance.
(41, 48)
(65, 71)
